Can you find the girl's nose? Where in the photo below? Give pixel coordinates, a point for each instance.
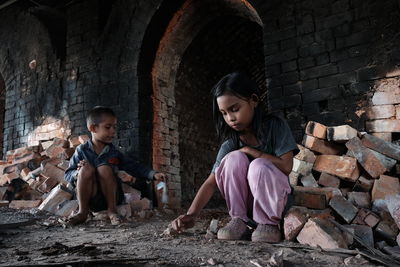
(231, 118)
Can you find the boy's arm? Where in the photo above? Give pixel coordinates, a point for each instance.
(72, 170)
(136, 169)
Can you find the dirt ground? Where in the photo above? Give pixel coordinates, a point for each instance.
(33, 238)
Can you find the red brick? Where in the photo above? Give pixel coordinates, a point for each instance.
(366, 217)
(320, 233)
(305, 154)
(385, 186)
(47, 185)
(341, 166)
(313, 200)
(55, 151)
(328, 180)
(24, 204)
(54, 172)
(385, 98)
(341, 133)
(344, 208)
(26, 157)
(322, 146)
(366, 157)
(381, 146)
(381, 112)
(60, 142)
(316, 129)
(68, 153)
(360, 199)
(21, 152)
(383, 126)
(384, 136)
(293, 222)
(387, 231)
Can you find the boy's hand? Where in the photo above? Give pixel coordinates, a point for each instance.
(81, 164)
(159, 176)
(125, 177)
(183, 222)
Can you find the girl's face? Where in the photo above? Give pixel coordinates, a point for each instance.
(238, 113)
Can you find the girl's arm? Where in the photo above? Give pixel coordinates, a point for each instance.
(283, 163)
(202, 197)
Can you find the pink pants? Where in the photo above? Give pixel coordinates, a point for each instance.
(257, 186)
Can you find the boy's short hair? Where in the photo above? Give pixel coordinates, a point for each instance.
(95, 115)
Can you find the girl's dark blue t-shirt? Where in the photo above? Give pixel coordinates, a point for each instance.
(282, 141)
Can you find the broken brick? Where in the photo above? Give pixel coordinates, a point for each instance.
(302, 167)
(387, 231)
(366, 217)
(294, 178)
(363, 184)
(58, 195)
(341, 166)
(364, 232)
(74, 141)
(293, 222)
(322, 146)
(393, 205)
(385, 186)
(328, 180)
(83, 138)
(54, 172)
(366, 158)
(387, 148)
(341, 133)
(305, 154)
(344, 208)
(316, 129)
(47, 185)
(313, 200)
(67, 208)
(320, 233)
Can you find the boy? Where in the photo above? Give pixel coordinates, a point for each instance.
(94, 166)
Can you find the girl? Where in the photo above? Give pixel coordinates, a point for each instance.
(252, 166)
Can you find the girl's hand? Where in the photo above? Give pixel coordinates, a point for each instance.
(252, 152)
(159, 176)
(183, 222)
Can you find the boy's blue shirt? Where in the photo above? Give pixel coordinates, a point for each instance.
(109, 156)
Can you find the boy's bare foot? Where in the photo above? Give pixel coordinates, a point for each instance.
(116, 219)
(77, 219)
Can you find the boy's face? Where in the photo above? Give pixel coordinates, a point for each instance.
(106, 130)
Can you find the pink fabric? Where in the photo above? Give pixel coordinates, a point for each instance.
(257, 186)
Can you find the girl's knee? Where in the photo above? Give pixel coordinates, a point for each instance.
(236, 156)
(259, 165)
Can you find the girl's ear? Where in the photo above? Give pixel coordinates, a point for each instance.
(254, 99)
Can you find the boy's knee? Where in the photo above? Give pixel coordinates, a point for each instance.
(87, 172)
(105, 170)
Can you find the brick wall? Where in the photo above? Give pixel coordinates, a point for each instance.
(330, 61)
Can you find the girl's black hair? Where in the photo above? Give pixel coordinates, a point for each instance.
(240, 85)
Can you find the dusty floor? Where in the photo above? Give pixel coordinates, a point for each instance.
(141, 243)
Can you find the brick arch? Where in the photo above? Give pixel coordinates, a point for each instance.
(186, 24)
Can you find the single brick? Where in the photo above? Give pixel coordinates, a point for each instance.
(381, 112)
(363, 184)
(384, 136)
(387, 231)
(24, 204)
(366, 157)
(341, 133)
(328, 180)
(385, 98)
(316, 129)
(344, 208)
(387, 148)
(366, 217)
(320, 233)
(341, 166)
(322, 146)
(385, 186)
(58, 195)
(383, 126)
(293, 222)
(51, 171)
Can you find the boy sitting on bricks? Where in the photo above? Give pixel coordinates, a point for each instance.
(94, 166)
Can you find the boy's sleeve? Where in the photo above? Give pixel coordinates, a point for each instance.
(71, 171)
(136, 169)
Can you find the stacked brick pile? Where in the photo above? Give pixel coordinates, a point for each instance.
(33, 177)
(352, 178)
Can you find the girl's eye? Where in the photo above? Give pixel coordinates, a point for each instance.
(235, 109)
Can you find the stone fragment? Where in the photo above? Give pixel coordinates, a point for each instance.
(344, 208)
(316, 129)
(341, 134)
(385, 186)
(320, 233)
(341, 166)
